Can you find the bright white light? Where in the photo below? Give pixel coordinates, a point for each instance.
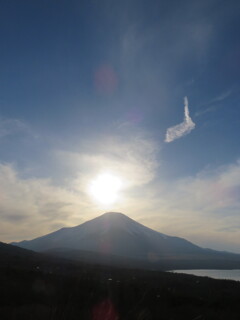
(105, 188)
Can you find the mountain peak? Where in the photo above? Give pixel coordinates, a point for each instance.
(114, 217)
(114, 214)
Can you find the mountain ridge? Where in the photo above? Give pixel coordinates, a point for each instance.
(115, 234)
(110, 222)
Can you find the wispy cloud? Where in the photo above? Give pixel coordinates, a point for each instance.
(37, 203)
(194, 208)
(10, 126)
(33, 206)
(224, 95)
(183, 128)
(203, 208)
(135, 160)
(213, 104)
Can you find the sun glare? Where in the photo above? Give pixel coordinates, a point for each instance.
(105, 188)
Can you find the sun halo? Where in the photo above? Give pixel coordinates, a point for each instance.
(105, 188)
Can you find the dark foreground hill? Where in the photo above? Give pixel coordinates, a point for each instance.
(115, 239)
(31, 289)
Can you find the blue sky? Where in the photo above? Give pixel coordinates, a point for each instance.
(93, 86)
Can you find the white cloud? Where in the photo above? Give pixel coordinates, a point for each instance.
(183, 128)
(203, 208)
(32, 207)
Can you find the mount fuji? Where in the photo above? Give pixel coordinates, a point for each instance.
(118, 237)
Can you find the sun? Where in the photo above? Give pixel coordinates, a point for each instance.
(105, 188)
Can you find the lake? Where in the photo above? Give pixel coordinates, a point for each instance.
(216, 274)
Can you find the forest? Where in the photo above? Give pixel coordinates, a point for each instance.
(65, 290)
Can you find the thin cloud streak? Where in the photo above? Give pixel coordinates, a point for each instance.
(11, 127)
(183, 128)
(213, 104)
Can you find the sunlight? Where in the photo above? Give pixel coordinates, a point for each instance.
(106, 188)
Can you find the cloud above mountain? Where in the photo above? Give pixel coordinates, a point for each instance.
(134, 159)
(37, 203)
(183, 128)
(203, 208)
(44, 204)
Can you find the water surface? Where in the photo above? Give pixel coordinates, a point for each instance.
(215, 274)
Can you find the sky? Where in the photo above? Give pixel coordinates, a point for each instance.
(137, 99)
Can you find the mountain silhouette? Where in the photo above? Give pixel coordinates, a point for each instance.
(114, 234)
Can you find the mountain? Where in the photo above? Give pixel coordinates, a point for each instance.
(18, 257)
(22, 259)
(116, 235)
(112, 233)
(10, 251)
